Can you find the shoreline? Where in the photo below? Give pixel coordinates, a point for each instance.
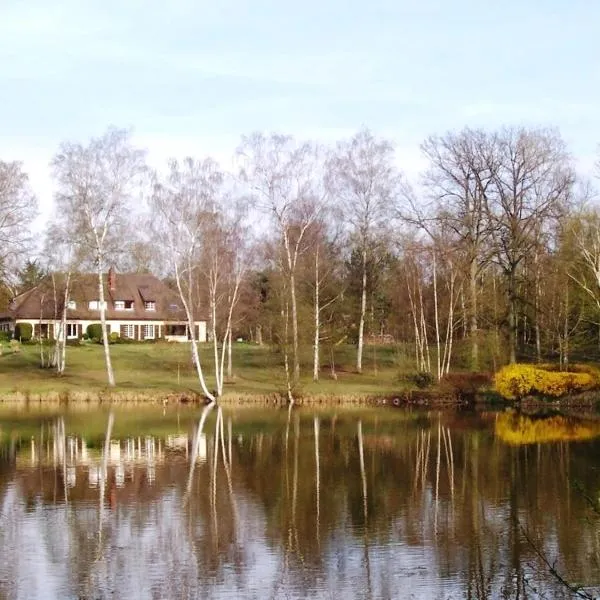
(406, 399)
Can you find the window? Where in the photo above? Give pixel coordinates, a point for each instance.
(71, 305)
(148, 332)
(71, 330)
(95, 304)
(128, 331)
(119, 304)
(150, 305)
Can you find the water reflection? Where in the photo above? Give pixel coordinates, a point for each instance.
(293, 505)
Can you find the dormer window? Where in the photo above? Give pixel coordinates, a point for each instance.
(150, 305)
(71, 305)
(123, 304)
(95, 304)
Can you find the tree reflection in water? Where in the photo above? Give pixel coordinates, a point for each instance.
(369, 504)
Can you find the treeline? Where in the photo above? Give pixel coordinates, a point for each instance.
(491, 256)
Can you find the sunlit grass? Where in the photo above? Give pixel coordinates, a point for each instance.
(168, 367)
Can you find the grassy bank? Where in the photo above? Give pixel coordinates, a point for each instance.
(159, 368)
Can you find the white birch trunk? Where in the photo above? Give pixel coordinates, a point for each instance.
(316, 357)
(363, 310)
(229, 356)
(109, 369)
(437, 319)
(192, 329)
(61, 362)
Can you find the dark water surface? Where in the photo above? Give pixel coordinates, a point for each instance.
(381, 503)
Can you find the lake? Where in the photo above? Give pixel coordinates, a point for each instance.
(347, 503)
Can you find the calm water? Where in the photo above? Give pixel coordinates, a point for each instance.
(350, 504)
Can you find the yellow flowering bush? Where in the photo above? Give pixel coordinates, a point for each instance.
(520, 380)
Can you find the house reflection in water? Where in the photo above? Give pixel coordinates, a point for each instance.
(78, 460)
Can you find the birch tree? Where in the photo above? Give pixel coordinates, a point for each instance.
(183, 203)
(97, 186)
(225, 263)
(63, 261)
(283, 179)
(362, 177)
(458, 177)
(18, 208)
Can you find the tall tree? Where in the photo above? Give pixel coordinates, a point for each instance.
(30, 275)
(183, 204)
(18, 208)
(363, 178)
(458, 177)
(98, 183)
(531, 179)
(283, 178)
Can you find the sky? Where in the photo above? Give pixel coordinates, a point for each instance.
(189, 77)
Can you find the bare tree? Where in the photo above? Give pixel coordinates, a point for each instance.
(97, 185)
(18, 208)
(283, 177)
(458, 176)
(182, 206)
(226, 260)
(364, 180)
(531, 179)
(63, 261)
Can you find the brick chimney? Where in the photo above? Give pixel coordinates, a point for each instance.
(112, 280)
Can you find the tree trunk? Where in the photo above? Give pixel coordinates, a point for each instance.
(229, 356)
(316, 360)
(213, 319)
(363, 310)
(473, 324)
(437, 320)
(295, 349)
(512, 315)
(192, 329)
(538, 291)
(60, 364)
(109, 369)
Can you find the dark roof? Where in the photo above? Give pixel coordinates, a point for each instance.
(136, 287)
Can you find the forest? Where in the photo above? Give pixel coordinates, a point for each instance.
(490, 256)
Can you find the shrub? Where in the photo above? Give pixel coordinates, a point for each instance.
(422, 379)
(5, 336)
(520, 380)
(23, 332)
(467, 384)
(94, 331)
(113, 337)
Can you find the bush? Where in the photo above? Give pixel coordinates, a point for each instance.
(467, 384)
(422, 379)
(113, 337)
(520, 380)
(94, 331)
(5, 336)
(23, 332)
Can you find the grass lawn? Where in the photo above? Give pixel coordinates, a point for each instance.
(167, 367)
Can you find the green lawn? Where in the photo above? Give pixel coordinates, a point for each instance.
(161, 366)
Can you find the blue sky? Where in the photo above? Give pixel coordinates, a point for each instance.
(191, 76)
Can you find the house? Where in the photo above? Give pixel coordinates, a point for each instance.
(139, 306)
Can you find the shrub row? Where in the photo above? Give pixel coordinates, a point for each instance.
(521, 380)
